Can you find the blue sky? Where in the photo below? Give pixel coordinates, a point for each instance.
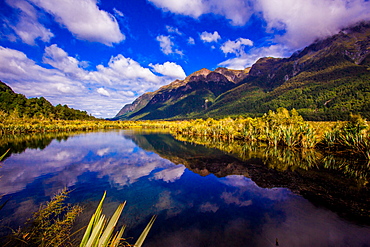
(100, 55)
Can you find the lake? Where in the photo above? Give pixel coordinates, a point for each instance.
(205, 192)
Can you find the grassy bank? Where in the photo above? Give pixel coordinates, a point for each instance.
(276, 128)
(30, 125)
(286, 128)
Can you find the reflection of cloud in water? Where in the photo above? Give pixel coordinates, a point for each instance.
(208, 207)
(171, 174)
(231, 198)
(22, 169)
(238, 181)
(169, 204)
(102, 152)
(247, 185)
(120, 160)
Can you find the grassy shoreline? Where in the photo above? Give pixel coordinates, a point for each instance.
(280, 128)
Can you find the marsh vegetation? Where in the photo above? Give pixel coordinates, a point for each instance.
(275, 128)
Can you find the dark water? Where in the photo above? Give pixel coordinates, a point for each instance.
(202, 196)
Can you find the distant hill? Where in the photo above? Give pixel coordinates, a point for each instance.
(327, 80)
(20, 106)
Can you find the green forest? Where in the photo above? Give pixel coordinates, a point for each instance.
(18, 106)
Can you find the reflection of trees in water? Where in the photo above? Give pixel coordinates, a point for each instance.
(284, 158)
(19, 143)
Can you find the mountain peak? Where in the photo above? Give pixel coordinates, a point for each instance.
(203, 72)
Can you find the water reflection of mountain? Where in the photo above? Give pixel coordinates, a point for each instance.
(341, 185)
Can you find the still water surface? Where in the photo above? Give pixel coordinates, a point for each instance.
(157, 174)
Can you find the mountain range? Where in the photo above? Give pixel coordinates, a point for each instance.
(327, 80)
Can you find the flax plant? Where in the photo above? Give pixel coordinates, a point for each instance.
(353, 136)
(3, 156)
(99, 231)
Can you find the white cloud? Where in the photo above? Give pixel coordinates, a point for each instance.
(123, 71)
(237, 46)
(31, 79)
(237, 11)
(170, 69)
(306, 20)
(174, 30)
(210, 37)
(191, 41)
(103, 92)
(117, 12)
(193, 8)
(300, 21)
(167, 46)
(165, 43)
(84, 19)
(28, 28)
(59, 59)
(245, 60)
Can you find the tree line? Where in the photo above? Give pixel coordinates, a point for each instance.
(18, 106)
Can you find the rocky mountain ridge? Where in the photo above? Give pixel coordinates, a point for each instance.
(203, 81)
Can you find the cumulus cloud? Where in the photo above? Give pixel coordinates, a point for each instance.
(28, 28)
(122, 79)
(103, 91)
(169, 69)
(84, 19)
(167, 46)
(59, 59)
(123, 71)
(210, 37)
(237, 46)
(31, 79)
